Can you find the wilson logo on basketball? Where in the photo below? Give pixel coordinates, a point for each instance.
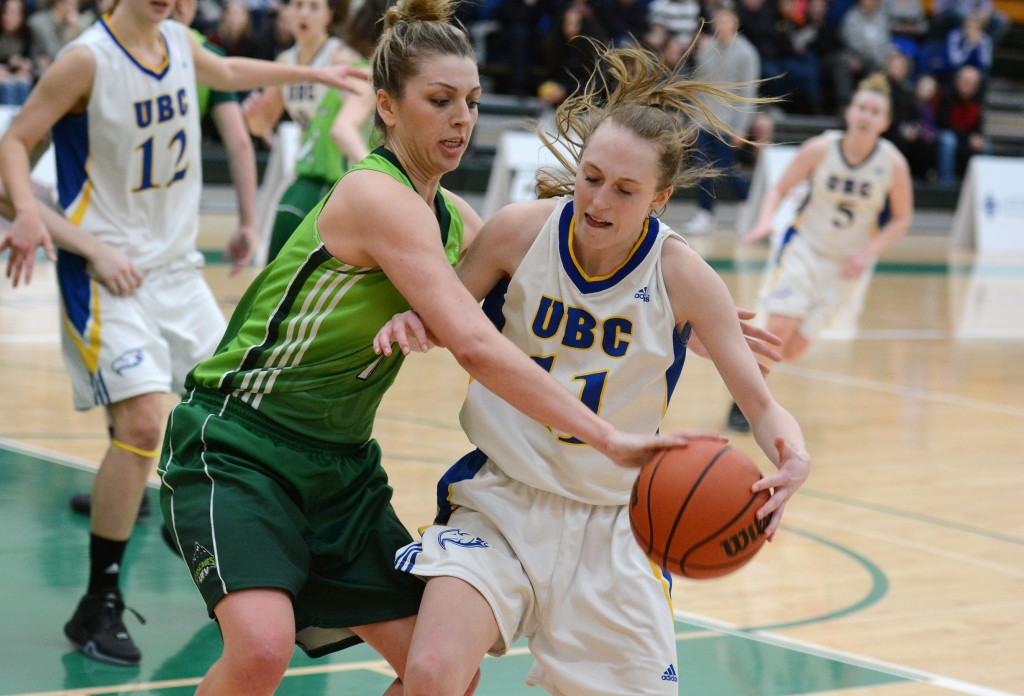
(745, 537)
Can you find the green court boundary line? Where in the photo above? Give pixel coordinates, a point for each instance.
(879, 587)
(835, 655)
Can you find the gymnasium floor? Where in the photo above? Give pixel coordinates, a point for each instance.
(899, 569)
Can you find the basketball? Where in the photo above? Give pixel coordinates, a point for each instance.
(692, 510)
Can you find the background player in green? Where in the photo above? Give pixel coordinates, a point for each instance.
(330, 123)
(338, 135)
(271, 482)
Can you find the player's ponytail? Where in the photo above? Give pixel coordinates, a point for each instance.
(634, 88)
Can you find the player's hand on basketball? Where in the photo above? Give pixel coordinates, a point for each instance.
(794, 467)
(759, 232)
(341, 76)
(240, 248)
(408, 331)
(632, 451)
(115, 271)
(27, 234)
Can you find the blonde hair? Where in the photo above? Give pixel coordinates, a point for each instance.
(633, 88)
(878, 83)
(414, 30)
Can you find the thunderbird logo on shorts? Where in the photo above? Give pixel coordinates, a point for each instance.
(460, 538)
(127, 360)
(202, 564)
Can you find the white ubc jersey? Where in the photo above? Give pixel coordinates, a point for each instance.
(611, 340)
(140, 192)
(840, 214)
(302, 99)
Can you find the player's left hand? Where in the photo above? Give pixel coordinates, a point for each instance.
(794, 468)
(408, 331)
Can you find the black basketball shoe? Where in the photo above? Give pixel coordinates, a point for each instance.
(98, 631)
(737, 421)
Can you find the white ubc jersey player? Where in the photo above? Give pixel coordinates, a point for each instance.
(302, 99)
(611, 339)
(842, 208)
(143, 117)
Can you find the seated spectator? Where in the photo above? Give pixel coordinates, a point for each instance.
(908, 23)
(279, 34)
(235, 33)
(947, 15)
(820, 38)
(625, 20)
(517, 42)
(569, 58)
(901, 92)
(50, 27)
(866, 40)
(968, 44)
(919, 135)
(794, 71)
(960, 125)
(15, 65)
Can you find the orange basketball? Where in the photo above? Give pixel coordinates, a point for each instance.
(692, 510)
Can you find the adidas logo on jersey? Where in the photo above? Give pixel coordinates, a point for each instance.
(642, 294)
(670, 674)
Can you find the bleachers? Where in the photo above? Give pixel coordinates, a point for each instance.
(1004, 125)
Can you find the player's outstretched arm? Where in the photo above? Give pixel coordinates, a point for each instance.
(239, 74)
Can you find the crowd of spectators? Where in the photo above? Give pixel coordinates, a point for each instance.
(812, 53)
(938, 55)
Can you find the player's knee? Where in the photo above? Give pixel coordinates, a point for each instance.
(259, 664)
(429, 674)
(140, 437)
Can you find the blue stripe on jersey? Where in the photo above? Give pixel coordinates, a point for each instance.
(886, 214)
(788, 237)
(680, 339)
(71, 149)
(494, 304)
(157, 73)
(75, 288)
(590, 285)
(462, 470)
(405, 557)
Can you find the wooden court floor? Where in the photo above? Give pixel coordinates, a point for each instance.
(898, 571)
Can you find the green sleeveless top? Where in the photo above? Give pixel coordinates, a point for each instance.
(299, 346)
(319, 157)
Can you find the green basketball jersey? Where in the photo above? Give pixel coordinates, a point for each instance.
(319, 156)
(299, 346)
